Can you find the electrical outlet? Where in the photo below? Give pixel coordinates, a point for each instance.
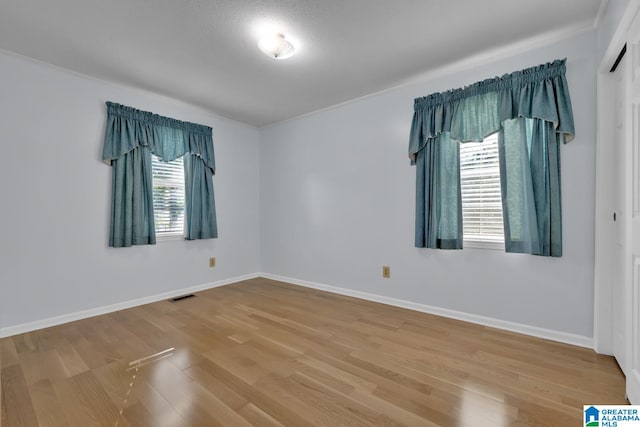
(212, 262)
(386, 271)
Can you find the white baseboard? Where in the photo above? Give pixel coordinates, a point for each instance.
(535, 331)
(549, 334)
(79, 315)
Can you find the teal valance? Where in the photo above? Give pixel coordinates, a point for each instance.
(478, 110)
(129, 128)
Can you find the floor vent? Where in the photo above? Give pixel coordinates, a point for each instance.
(176, 299)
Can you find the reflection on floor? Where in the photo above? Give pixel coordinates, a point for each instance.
(265, 353)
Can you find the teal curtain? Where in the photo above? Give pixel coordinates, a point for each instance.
(200, 208)
(439, 212)
(529, 151)
(132, 200)
(131, 136)
(532, 111)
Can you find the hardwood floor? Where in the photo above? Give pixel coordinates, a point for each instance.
(265, 353)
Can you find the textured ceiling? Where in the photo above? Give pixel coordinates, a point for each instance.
(204, 51)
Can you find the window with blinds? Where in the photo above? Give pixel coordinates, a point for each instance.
(480, 187)
(168, 196)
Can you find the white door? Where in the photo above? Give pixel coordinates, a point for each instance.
(618, 217)
(631, 214)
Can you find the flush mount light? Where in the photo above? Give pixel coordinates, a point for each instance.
(276, 46)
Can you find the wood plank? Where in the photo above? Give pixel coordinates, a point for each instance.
(279, 410)
(46, 405)
(45, 365)
(71, 361)
(161, 412)
(85, 402)
(257, 417)
(8, 353)
(214, 385)
(16, 398)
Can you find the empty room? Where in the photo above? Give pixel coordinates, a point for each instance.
(320, 213)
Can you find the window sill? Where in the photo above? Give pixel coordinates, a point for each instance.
(170, 237)
(483, 244)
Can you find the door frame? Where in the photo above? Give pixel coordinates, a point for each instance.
(605, 187)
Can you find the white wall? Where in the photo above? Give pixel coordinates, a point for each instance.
(609, 24)
(337, 200)
(54, 258)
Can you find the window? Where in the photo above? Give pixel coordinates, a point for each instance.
(168, 197)
(480, 188)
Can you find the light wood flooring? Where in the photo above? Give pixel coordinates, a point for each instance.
(266, 353)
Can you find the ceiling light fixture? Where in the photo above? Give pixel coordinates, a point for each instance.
(276, 46)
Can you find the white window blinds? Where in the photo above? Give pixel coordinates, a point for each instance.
(168, 196)
(480, 188)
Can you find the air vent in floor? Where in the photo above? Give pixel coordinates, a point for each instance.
(183, 297)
